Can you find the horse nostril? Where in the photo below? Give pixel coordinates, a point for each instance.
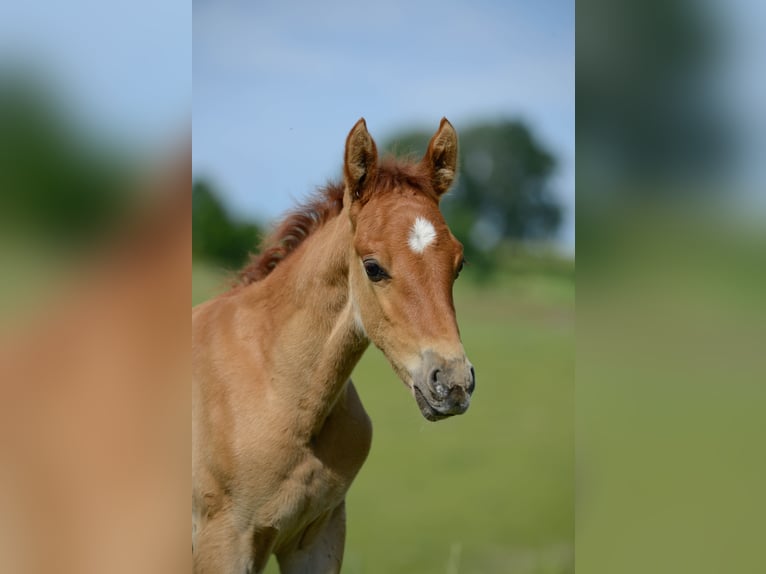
(472, 382)
(435, 376)
(438, 387)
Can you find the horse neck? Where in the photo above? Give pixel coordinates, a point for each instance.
(317, 342)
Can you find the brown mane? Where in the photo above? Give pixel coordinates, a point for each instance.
(324, 205)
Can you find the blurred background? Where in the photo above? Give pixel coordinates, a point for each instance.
(95, 260)
(671, 278)
(277, 87)
(87, 116)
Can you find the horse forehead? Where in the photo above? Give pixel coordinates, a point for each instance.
(396, 214)
(421, 234)
(425, 236)
(417, 230)
(411, 226)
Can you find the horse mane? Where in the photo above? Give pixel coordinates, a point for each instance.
(324, 205)
(292, 231)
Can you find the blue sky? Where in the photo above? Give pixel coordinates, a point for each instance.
(277, 85)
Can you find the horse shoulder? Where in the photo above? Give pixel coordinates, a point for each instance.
(229, 394)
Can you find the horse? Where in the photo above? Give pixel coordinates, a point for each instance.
(279, 432)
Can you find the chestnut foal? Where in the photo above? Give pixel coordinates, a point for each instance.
(278, 429)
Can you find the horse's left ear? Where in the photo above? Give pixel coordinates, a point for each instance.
(361, 160)
(441, 157)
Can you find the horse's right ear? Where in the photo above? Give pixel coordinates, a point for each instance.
(441, 157)
(360, 161)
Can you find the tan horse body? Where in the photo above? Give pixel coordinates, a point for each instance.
(279, 432)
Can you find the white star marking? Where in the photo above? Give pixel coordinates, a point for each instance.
(422, 235)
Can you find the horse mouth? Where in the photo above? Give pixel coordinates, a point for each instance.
(428, 411)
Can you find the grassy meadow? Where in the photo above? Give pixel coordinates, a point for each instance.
(491, 491)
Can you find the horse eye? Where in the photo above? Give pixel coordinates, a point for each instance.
(374, 271)
(460, 267)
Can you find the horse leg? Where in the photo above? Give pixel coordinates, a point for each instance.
(320, 549)
(221, 548)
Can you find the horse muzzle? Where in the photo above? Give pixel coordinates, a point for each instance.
(443, 387)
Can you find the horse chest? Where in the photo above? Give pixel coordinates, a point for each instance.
(310, 489)
(317, 480)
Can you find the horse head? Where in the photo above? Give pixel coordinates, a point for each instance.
(404, 261)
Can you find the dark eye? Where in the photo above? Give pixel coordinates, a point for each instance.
(374, 271)
(460, 267)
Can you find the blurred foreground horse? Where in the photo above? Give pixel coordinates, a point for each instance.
(279, 432)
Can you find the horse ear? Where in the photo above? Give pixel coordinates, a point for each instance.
(441, 157)
(360, 161)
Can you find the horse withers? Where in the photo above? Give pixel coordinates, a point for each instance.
(278, 430)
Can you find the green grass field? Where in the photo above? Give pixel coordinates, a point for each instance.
(488, 492)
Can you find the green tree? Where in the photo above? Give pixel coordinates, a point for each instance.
(215, 236)
(57, 181)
